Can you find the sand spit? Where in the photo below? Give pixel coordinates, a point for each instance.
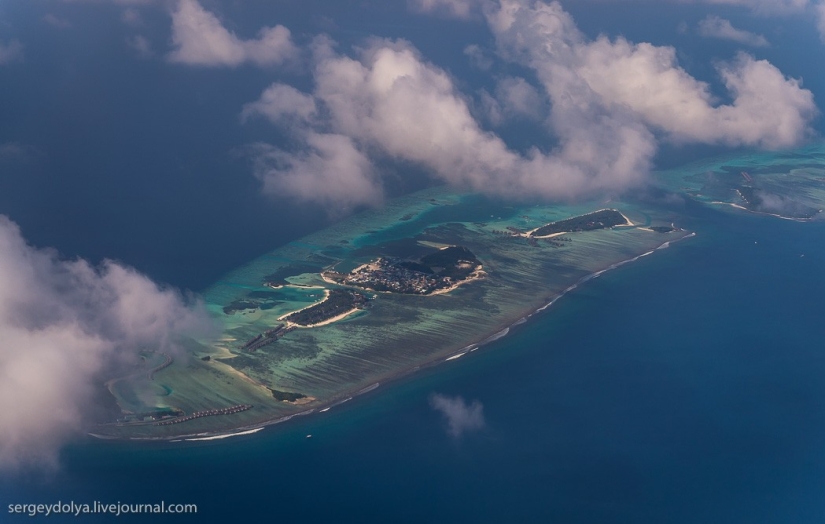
(226, 435)
(326, 297)
(336, 318)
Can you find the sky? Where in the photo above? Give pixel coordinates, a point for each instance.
(149, 146)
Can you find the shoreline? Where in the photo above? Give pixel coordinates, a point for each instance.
(764, 213)
(328, 321)
(529, 234)
(477, 274)
(326, 297)
(449, 355)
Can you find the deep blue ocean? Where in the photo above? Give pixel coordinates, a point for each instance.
(685, 387)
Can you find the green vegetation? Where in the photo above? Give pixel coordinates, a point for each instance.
(339, 301)
(449, 256)
(285, 396)
(662, 229)
(457, 262)
(416, 266)
(589, 222)
(278, 278)
(335, 276)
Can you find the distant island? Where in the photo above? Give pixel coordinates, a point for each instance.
(762, 201)
(791, 189)
(437, 272)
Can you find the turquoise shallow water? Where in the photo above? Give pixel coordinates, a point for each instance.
(685, 387)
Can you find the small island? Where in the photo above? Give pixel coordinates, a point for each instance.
(602, 219)
(438, 272)
(338, 304)
(287, 396)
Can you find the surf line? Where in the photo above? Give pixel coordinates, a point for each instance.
(504, 332)
(597, 274)
(226, 435)
(368, 389)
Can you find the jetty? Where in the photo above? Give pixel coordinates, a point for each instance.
(207, 413)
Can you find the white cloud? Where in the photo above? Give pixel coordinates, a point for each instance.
(609, 104)
(131, 17)
(280, 102)
(819, 11)
(632, 84)
(519, 99)
(716, 27)
(764, 6)
(449, 8)
(514, 98)
(141, 45)
(761, 7)
(816, 8)
(392, 103)
(200, 39)
(461, 417)
(11, 52)
(478, 57)
(646, 80)
(489, 108)
(62, 323)
(329, 170)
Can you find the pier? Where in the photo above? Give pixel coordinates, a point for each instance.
(166, 364)
(208, 413)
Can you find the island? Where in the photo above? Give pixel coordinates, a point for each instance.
(788, 187)
(600, 219)
(435, 273)
(338, 304)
